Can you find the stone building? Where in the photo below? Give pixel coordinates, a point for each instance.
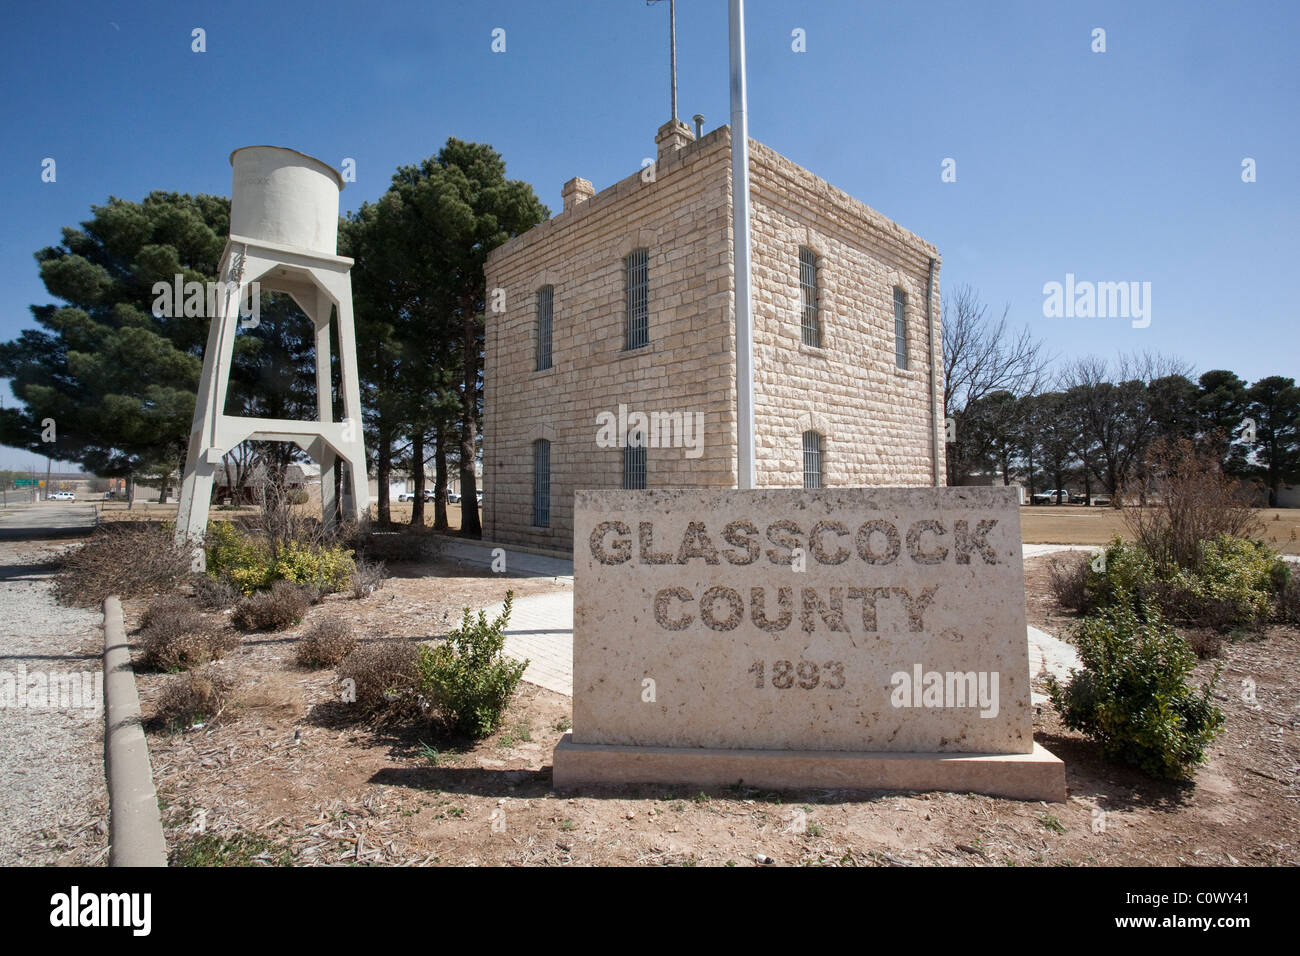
(609, 359)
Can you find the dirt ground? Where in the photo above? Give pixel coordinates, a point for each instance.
(282, 779)
(1075, 524)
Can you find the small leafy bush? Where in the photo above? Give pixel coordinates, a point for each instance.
(326, 643)
(384, 676)
(247, 562)
(467, 679)
(274, 610)
(252, 564)
(200, 695)
(1233, 583)
(1237, 580)
(1127, 569)
(327, 568)
(1132, 695)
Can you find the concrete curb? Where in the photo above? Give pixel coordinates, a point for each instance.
(135, 831)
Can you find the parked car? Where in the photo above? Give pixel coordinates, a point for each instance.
(479, 498)
(405, 496)
(453, 497)
(61, 496)
(1054, 496)
(429, 494)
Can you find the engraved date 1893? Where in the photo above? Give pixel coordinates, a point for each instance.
(805, 674)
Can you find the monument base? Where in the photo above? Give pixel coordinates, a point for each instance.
(1033, 776)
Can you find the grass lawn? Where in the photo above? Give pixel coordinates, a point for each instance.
(1075, 524)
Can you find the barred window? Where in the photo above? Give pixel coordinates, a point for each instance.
(545, 315)
(900, 327)
(812, 460)
(810, 319)
(542, 483)
(638, 298)
(634, 462)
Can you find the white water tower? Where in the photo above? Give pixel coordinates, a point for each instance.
(284, 214)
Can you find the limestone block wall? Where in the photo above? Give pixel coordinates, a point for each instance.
(875, 417)
(683, 217)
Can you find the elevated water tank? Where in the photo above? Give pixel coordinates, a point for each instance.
(282, 195)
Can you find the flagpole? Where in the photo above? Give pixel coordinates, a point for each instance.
(745, 471)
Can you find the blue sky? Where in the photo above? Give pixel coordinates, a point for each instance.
(1115, 166)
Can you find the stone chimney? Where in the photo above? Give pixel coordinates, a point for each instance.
(671, 137)
(576, 190)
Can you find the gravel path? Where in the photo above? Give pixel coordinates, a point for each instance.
(53, 802)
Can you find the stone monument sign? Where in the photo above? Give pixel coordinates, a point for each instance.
(855, 637)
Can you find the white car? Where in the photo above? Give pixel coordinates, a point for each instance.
(61, 496)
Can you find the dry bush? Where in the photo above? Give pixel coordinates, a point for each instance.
(1205, 643)
(1068, 578)
(1288, 600)
(367, 578)
(326, 643)
(384, 676)
(200, 695)
(215, 594)
(1197, 503)
(170, 614)
(281, 520)
(174, 636)
(129, 559)
(274, 610)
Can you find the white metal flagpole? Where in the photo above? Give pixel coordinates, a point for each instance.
(745, 473)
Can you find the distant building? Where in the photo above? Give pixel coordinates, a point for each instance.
(622, 306)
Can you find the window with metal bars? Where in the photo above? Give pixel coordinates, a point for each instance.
(542, 483)
(638, 298)
(634, 463)
(545, 316)
(900, 327)
(810, 319)
(812, 460)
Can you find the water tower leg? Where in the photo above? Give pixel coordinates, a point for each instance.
(349, 388)
(205, 435)
(322, 452)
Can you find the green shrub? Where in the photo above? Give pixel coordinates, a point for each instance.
(1234, 582)
(245, 561)
(252, 565)
(467, 679)
(327, 568)
(1132, 695)
(1125, 569)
